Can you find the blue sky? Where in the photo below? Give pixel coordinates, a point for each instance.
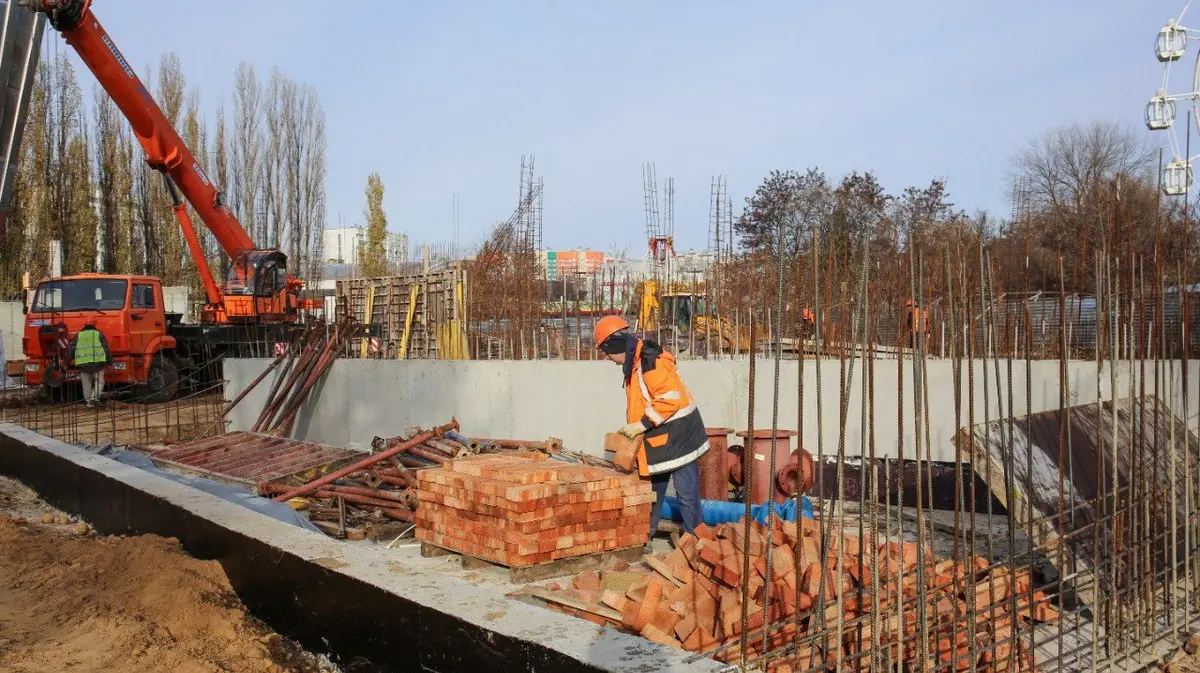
(443, 98)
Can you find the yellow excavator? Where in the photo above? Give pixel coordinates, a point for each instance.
(684, 316)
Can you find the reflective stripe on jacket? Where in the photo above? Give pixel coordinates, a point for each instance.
(89, 348)
(656, 396)
(918, 321)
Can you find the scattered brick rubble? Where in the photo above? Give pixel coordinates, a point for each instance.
(691, 598)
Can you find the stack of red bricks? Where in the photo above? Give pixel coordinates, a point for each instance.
(520, 509)
(692, 598)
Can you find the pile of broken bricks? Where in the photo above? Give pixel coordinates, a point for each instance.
(521, 509)
(692, 597)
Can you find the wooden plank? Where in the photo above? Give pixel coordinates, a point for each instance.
(552, 597)
(430, 550)
(574, 565)
(1034, 500)
(540, 571)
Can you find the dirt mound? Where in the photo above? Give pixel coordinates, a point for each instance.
(76, 602)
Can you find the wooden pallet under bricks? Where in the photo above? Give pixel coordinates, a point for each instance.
(692, 599)
(538, 517)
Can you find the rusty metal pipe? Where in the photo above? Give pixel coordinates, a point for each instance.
(296, 367)
(394, 476)
(428, 455)
(359, 499)
(444, 446)
(322, 367)
(515, 443)
(367, 462)
(253, 384)
(355, 498)
(434, 449)
(315, 354)
(414, 462)
(295, 356)
(361, 490)
(275, 401)
(398, 514)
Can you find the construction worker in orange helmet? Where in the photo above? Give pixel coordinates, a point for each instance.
(918, 322)
(660, 410)
(808, 322)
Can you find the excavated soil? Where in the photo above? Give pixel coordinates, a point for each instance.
(72, 601)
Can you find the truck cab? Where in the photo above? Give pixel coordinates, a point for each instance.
(127, 309)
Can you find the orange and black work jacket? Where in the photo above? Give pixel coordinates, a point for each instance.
(918, 321)
(656, 396)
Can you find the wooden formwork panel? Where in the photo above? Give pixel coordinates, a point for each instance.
(434, 305)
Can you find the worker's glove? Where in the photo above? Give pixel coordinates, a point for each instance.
(632, 430)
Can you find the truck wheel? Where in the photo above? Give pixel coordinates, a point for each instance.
(162, 381)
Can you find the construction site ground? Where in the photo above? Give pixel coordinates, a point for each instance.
(73, 601)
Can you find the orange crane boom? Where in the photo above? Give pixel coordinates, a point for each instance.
(258, 288)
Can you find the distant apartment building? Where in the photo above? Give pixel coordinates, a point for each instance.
(342, 246)
(566, 263)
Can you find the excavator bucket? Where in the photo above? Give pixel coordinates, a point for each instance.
(20, 43)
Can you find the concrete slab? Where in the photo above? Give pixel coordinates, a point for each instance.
(375, 609)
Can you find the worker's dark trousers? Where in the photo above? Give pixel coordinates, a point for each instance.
(687, 494)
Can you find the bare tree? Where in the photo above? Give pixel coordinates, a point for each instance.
(219, 170)
(23, 246)
(172, 88)
(313, 184)
(1078, 188)
(800, 200)
(1063, 167)
(304, 155)
(114, 183)
(74, 223)
(195, 136)
(271, 177)
(245, 150)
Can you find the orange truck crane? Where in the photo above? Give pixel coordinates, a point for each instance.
(258, 305)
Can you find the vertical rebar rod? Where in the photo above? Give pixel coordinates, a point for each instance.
(747, 489)
(824, 547)
(1097, 525)
(778, 332)
(917, 399)
(1063, 428)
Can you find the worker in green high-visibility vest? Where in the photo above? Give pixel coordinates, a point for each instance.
(90, 355)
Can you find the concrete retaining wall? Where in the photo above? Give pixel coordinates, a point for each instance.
(580, 401)
(375, 609)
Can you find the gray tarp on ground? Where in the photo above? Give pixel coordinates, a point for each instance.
(276, 510)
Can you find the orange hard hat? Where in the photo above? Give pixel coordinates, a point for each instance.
(608, 326)
(910, 303)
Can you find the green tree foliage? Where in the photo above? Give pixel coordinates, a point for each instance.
(373, 255)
